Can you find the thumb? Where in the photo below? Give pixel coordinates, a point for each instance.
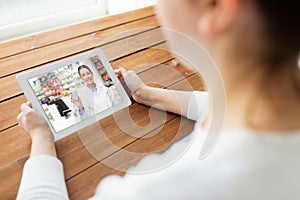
(123, 71)
(133, 81)
(25, 107)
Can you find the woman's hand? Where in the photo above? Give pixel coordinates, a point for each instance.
(33, 124)
(133, 85)
(78, 103)
(170, 100)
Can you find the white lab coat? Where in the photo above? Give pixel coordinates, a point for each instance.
(93, 102)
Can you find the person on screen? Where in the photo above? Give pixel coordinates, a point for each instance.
(92, 98)
(255, 45)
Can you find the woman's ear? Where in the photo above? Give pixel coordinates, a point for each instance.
(217, 16)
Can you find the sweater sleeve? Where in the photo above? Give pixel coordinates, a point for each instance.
(43, 178)
(198, 105)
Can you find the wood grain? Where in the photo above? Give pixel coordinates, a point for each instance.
(131, 40)
(144, 75)
(59, 35)
(73, 154)
(30, 59)
(139, 61)
(10, 109)
(89, 179)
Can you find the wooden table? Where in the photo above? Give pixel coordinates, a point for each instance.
(131, 40)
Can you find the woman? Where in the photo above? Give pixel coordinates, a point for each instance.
(255, 45)
(91, 98)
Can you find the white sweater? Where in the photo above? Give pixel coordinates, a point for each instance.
(244, 165)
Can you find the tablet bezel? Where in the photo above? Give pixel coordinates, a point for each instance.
(23, 80)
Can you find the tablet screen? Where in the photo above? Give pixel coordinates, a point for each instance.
(75, 92)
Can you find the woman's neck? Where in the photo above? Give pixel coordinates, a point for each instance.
(262, 99)
(91, 86)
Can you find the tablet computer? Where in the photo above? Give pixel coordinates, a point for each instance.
(74, 93)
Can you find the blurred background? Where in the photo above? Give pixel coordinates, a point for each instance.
(21, 18)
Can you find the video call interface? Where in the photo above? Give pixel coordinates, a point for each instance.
(75, 92)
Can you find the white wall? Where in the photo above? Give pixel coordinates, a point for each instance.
(21, 18)
(119, 6)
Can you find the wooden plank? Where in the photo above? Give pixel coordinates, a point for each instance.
(10, 109)
(139, 61)
(8, 116)
(144, 60)
(10, 179)
(113, 140)
(30, 59)
(125, 49)
(192, 83)
(68, 150)
(14, 144)
(6, 136)
(71, 151)
(55, 36)
(116, 135)
(11, 173)
(83, 185)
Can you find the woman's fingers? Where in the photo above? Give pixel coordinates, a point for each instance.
(117, 71)
(19, 116)
(129, 79)
(123, 71)
(29, 104)
(120, 72)
(133, 81)
(25, 108)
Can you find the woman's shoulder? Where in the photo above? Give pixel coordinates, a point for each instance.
(102, 87)
(81, 89)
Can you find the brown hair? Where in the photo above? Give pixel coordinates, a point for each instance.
(280, 19)
(83, 67)
(282, 36)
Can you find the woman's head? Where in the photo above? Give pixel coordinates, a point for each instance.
(281, 28)
(255, 45)
(86, 74)
(265, 30)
